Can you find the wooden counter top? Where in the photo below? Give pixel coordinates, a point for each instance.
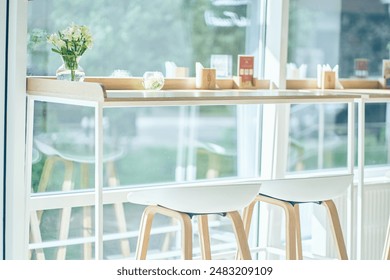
(90, 91)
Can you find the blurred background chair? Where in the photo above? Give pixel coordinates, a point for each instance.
(290, 193)
(185, 200)
(77, 152)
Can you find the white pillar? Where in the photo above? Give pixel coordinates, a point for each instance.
(276, 42)
(17, 218)
(276, 117)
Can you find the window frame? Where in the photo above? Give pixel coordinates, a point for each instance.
(16, 209)
(3, 51)
(275, 137)
(20, 231)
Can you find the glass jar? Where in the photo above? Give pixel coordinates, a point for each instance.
(153, 80)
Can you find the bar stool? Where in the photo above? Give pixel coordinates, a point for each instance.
(289, 193)
(185, 200)
(214, 156)
(55, 157)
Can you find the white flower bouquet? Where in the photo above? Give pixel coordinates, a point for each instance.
(71, 43)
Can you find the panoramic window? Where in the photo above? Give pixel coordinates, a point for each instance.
(139, 36)
(354, 35)
(147, 145)
(339, 33)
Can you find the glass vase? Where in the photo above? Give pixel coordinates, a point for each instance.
(70, 70)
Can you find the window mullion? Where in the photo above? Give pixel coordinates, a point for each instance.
(3, 36)
(16, 233)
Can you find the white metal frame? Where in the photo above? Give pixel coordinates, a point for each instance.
(16, 231)
(98, 105)
(361, 170)
(16, 194)
(276, 116)
(98, 195)
(3, 24)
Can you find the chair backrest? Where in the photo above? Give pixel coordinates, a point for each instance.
(199, 198)
(48, 149)
(307, 189)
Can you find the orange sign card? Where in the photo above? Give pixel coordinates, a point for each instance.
(245, 69)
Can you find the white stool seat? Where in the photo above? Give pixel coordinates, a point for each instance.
(198, 198)
(181, 201)
(288, 193)
(309, 189)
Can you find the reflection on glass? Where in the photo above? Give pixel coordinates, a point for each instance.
(338, 32)
(138, 36)
(143, 146)
(318, 137)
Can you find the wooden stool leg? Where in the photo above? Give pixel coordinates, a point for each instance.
(35, 218)
(291, 241)
(214, 166)
(298, 232)
(87, 218)
(144, 233)
(204, 237)
(46, 172)
(247, 214)
(64, 231)
(168, 236)
(386, 251)
(122, 228)
(242, 241)
(35, 234)
(186, 233)
(119, 210)
(65, 215)
(45, 177)
(146, 224)
(336, 229)
(65, 212)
